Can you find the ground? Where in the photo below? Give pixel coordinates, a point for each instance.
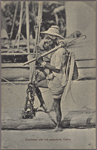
(12, 102)
(46, 139)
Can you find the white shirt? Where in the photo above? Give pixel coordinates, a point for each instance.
(58, 59)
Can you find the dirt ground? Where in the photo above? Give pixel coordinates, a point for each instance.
(47, 139)
(13, 97)
(13, 100)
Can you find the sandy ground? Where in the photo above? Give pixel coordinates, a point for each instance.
(13, 100)
(47, 139)
(13, 97)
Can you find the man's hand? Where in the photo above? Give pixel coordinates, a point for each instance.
(39, 60)
(62, 43)
(50, 76)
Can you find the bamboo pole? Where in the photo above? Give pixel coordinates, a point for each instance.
(27, 26)
(37, 34)
(32, 65)
(44, 54)
(19, 31)
(14, 20)
(40, 17)
(38, 25)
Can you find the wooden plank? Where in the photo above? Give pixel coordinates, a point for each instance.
(86, 64)
(86, 67)
(23, 72)
(85, 59)
(72, 119)
(9, 65)
(24, 42)
(15, 54)
(15, 83)
(15, 73)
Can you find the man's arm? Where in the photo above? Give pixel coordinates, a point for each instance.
(47, 65)
(52, 68)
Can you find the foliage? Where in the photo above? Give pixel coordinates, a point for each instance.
(48, 16)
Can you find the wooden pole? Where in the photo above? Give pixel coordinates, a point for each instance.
(32, 65)
(14, 20)
(44, 54)
(40, 17)
(27, 26)
(38, 25)
(19, 31)
(37, 34)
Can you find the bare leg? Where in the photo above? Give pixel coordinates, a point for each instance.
(57, 108)
(42, 84)
(39, 95)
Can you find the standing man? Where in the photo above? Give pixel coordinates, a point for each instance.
(56, 79)
(52, 73)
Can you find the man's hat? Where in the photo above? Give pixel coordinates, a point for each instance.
(53, 30)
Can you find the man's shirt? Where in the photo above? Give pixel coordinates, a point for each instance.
(58, 60)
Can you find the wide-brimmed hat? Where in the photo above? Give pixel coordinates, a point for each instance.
(53, 30)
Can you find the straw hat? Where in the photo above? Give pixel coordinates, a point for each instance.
(53, 30)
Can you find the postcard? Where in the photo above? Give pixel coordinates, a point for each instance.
(48, 74)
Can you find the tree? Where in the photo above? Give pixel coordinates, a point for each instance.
(53, 13)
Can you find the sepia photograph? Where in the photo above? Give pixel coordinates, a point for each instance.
(48, 74)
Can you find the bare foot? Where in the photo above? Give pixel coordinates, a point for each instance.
(42, 108)
(50, 110)
(58, 129)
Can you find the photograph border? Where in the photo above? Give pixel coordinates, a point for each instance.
(96, 69)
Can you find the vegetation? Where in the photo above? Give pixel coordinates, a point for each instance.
(53, 13)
